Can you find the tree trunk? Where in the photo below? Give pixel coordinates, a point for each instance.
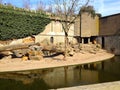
(66, 44)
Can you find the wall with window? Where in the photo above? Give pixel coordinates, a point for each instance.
(55, 31)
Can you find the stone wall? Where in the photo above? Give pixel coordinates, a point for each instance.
(110, 43)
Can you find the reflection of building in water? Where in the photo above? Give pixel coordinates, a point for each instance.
(88, 76)
(112, 66)
(69, 77)
(54, 79)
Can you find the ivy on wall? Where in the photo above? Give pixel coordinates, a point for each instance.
(19, 23)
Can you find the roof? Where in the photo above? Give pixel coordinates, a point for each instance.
(110, 16)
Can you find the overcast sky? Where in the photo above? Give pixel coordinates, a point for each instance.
(105, 7)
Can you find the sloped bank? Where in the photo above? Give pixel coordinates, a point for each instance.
(8, 65)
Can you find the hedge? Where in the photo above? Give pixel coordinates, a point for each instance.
(18, 23)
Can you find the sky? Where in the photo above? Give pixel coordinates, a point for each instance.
(104, 7)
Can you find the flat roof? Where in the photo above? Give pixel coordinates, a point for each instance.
(110, 16)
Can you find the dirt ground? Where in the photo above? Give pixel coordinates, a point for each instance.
(17, 64)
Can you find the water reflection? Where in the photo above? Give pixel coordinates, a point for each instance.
(62, 77)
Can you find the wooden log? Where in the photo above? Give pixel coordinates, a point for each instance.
(22, 47)
(15, 47)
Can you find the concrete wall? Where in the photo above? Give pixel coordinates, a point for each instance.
(110, 33)
(56, 38)
(89, 25)
(55, 30)
(110, 43)
(110, 25)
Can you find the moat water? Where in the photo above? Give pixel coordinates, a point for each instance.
(45, 79)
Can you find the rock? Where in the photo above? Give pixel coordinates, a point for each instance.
(36, 48)
(35, 55)
(19, 53)
(7, 57)
(98, 46)
(16, 42)
(93, 52)
(71, 53)
(6, 53)
(83, 52)
(24, 58)
(1, 45)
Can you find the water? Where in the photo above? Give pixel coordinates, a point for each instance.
(62, 77)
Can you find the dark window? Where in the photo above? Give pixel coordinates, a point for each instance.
(51, 39)
(85, 40)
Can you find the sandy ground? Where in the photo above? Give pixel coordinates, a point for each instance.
(51, 62)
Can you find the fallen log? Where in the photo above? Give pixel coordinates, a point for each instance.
(22, 49)
(15, 47)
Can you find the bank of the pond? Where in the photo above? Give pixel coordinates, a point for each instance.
(7, 65)
(102, 86)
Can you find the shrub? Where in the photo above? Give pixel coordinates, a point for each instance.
(18, 23)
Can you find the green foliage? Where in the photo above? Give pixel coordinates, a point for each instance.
(88, 9)
(18, 23)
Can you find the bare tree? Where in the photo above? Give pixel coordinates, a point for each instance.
(49, 9)
(26, 4)
(41, 6)
(68, 11)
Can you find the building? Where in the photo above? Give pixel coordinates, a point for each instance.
(85, 32)
(54, 32)
(109, 35)
(86, 27)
